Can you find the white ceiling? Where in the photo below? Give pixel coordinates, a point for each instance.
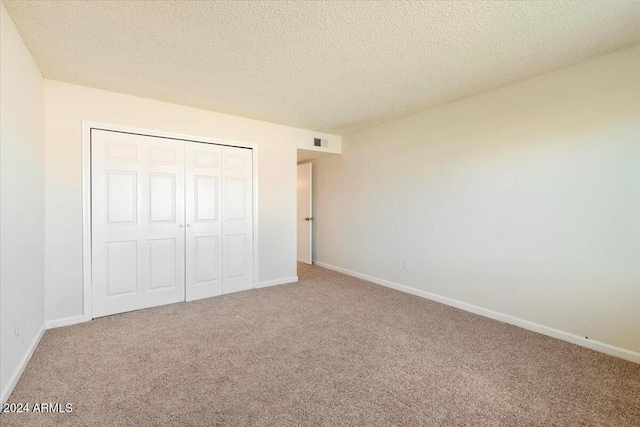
(335, 67)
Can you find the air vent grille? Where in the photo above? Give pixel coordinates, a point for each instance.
(320, 142)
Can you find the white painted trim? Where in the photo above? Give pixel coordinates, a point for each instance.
(276, 282)
(86, 194)
(86, 221)
(516, 321)
(21, 366)
(67, 321)
(254, 157)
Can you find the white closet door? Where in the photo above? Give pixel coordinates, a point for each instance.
(137, 219)
(204, 220)
(237, 216)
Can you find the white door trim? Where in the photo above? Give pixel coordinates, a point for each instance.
(86, 195)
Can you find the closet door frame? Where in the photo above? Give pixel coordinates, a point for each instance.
(87, 127)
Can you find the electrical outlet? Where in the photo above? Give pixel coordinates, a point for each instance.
(17, 329)
(405, 265)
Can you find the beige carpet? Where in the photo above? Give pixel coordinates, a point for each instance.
(330, 350)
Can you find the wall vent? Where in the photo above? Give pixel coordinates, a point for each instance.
(321, 142)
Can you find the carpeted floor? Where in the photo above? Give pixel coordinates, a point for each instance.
(330, 350)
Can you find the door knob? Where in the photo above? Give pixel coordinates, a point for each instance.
(188, 225)
(309, 218)
(181, 225)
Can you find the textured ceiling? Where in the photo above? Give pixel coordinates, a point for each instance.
(328, 66)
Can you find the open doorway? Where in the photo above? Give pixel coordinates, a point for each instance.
(305, 213)
(306, 222)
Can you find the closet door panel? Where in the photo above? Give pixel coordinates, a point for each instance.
(137, 209)
(237, 227)
(163, 221)
(116, 180)
(204, 225)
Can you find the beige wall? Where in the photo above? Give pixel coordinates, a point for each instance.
(524, 200)
(21, 204)
(67, 105)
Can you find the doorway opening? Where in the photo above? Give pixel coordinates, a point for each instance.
(305, 213)
(306, 220)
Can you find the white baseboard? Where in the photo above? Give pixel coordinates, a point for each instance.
(67, 321)
(275, 282)
(21, 366)
(525, 324)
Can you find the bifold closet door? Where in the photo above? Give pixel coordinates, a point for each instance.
(137, 219)
(171, 220)
(219, 196)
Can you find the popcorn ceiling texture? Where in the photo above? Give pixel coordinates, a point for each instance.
(335, 67)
